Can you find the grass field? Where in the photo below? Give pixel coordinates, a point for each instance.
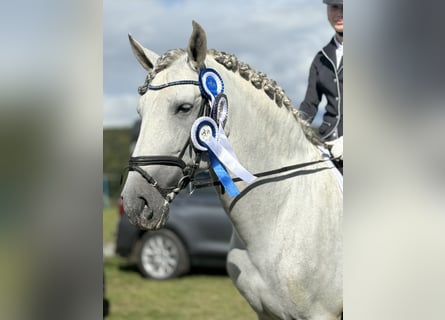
(203, 294)
(110, 218)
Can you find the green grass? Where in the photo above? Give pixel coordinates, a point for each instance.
(192, 297)
(196, 296)
(110, 218)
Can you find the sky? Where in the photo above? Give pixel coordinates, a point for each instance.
(279, 38)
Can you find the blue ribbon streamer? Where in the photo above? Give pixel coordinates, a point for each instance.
(223, 175)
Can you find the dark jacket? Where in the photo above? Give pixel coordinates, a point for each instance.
(325, 79)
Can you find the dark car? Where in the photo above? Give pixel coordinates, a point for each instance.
(197, 233)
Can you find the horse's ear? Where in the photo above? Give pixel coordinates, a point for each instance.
(197, 49)
(145, 57)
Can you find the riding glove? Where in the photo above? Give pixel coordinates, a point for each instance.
(336, 147)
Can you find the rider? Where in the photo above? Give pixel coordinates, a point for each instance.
(326, 78)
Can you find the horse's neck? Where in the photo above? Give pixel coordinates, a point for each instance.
(263, 135)
(267, 137)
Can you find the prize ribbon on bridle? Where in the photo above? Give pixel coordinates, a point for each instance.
(207, 134)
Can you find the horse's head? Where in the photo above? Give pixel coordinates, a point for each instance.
(164, 160)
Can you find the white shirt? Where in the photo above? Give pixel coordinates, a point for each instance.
(338, 51)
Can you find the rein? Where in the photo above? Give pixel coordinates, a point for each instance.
(204, 184)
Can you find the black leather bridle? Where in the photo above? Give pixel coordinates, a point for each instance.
(188, 170)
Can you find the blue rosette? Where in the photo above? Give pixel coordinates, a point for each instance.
(204, 131)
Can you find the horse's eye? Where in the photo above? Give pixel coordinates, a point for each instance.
(184, 108)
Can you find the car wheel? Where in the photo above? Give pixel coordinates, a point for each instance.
(162, 255)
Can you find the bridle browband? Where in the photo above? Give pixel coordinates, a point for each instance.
(173, 83)
(188, 170)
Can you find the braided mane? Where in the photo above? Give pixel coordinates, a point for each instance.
(258, 79)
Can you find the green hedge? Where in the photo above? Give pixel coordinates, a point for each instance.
(116, 152)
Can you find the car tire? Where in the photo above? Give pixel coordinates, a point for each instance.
(162, 255)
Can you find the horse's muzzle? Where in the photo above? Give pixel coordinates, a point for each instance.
(144, 205)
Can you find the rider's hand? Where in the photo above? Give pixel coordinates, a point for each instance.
(336, 147)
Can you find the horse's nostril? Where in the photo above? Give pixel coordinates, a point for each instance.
(147, 213)
(144, 201)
